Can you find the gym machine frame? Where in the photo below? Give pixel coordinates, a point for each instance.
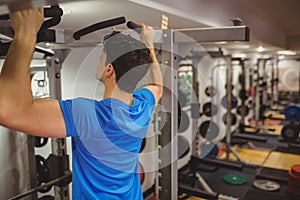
(58, 145)
(167, 187)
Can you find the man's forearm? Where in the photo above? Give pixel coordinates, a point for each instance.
(155, 75)
(15, 86)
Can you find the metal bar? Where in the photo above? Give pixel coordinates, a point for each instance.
(247, 137)
(197, 192)
(222, 163)
(257, 97)
(298, 60)
(235, 33)
(265, 86)
(228, 104)
(32, 166)
(242, 122)
(195, 100)
(272, 83)
(36, 189)
(203, 183)
(214, 34)
(168, 180)
(277, 83)
(58, 145)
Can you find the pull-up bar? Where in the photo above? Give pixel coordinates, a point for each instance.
(98, 26)
(53, 11)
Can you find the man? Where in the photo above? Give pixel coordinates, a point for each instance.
(107, 134)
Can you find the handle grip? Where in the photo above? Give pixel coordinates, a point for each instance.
(134, 26)
(101, 25)
(53, 11)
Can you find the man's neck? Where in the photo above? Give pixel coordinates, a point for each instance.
(116, 93)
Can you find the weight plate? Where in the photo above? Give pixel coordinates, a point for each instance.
(184, 122)
(234, 179)
(251, 92)
(292, 113)
(183, 147)
(142, 174)
(232, 87)
(209, 109)
(40, 141)
(290, 132)
(209, 150)
(243, 110)
(266, 185)
(243, 94)
(209, 130)
(42, 173)
(295, 170)
(233, 118)
(210, 91)
(234, 102)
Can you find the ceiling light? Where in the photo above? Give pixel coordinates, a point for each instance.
(221, 42)
(281, 57)
(260, 49)
(287, 53)
(239, 55)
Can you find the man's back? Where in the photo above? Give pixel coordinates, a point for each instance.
(107, 136)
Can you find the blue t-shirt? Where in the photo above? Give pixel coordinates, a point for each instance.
(106, 139)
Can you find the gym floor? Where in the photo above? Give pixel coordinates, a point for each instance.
(263, 157)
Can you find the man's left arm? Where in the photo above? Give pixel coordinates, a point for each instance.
(18, 110)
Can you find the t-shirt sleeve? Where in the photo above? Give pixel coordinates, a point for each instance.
(147, 96)
(67, 111)
(80, 117)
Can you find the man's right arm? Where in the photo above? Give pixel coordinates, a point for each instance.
(154, 74)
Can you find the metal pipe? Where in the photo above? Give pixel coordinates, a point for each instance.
(36, 189)
(229, 105)
(203, 183)
(98, 26)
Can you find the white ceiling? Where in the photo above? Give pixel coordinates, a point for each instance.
(84, 13)
(274, 24)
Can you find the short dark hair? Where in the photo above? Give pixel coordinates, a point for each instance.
(129, 57)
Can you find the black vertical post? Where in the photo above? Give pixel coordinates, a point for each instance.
(168, 178)
(59, 146)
